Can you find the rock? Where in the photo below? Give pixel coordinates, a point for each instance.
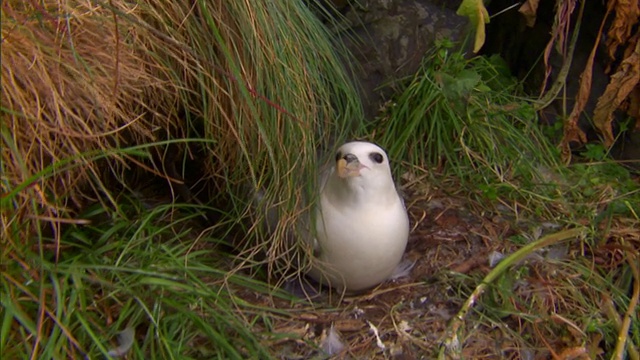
(389, 39)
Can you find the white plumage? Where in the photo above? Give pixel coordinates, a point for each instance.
(361, 225)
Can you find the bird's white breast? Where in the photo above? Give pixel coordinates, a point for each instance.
(360, 245)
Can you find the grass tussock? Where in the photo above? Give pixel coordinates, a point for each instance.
(463, 117)
(249, 82)
(214, 101)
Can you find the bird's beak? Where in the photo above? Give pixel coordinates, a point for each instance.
(349, 166)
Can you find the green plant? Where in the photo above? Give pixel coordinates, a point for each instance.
(152, 269)
(463, 117)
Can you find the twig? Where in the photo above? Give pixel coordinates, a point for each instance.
(561, 80)
(451, 343)
(623, 332)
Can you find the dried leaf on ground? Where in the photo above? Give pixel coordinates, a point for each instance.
(627, 16)
(622, 83)
(529, 10)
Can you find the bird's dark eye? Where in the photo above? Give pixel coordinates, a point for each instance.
(338, 156)
(376, 157)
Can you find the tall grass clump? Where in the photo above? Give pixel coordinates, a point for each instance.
(211, 103)
(260, 82)
(464, 117)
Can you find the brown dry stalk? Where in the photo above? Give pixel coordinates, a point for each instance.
(623, 333)
(620, 86)
(529, 9)
(561, 26)
(572, 131)
(559, 83)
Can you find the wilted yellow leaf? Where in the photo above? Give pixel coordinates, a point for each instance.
(478, 15)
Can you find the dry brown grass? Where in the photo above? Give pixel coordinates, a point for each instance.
(73, 82)
(83, 79)
(114, 103)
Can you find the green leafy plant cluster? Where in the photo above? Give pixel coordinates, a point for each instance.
(469, 118)
(465, 117)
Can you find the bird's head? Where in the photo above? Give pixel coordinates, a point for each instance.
(364, 165)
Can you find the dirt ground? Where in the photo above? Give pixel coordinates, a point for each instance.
(406, 318)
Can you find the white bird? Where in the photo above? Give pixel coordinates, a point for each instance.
(361, 223)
